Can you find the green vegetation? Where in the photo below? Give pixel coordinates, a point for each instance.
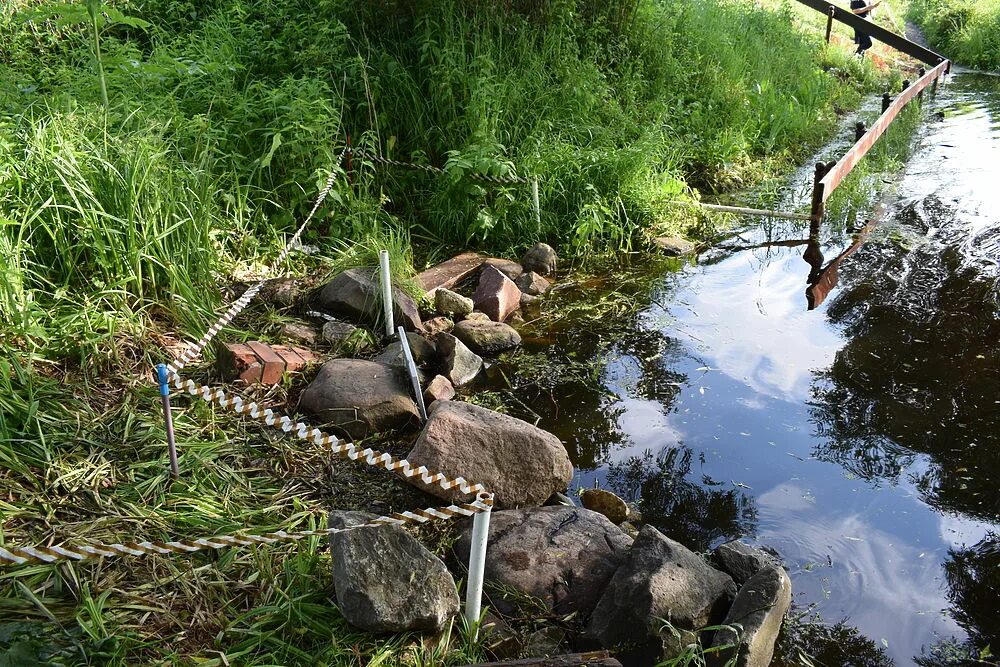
(153, 152)
(967, 31)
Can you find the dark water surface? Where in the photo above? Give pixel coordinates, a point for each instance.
(859, 439)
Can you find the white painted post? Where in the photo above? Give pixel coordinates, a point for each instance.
(535, 204)
(477, 566)
(411, 368)
(383, 258)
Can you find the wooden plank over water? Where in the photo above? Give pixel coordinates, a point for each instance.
(836, 175)
(897, 42)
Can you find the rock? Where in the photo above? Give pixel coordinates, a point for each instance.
(660, 579)
(477, 317)
(356, 293)
(541, 259)
(362, 397)
(741, 561)
(606, 503)
(423, 351)
(487, 337)
(449, 303)
(559, 499)
(282, 292)
(343, 337)
(532, 284)
(528, 300)
(545, 643)
(458, 363)
(438, 325)
(564, 556)
(439, 389)
(629, 529)
(300, 333)
(508, 267)
(499, 638)
(386, 581)
(759, 609)
(496, 295)
(674, 246)
(520, 464)
(516, 319)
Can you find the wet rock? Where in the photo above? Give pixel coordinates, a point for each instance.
(356, 293)
(545, 643)
(606, 503)
(452, 304)
(386, 581)
(674, 246)
(300, 333)
(541, 258)
(458, 363)
(759, 609)
(438, 325)
(361, 397)
(439, 389)
(508, 267)
(520, 463)
(660, 579)
(423, 351)
(477, 317)
(564, 556)
(496, 295)
(533, 284)
(487, 337)
(742, 561)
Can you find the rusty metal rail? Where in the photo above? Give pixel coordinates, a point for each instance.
(830, 176)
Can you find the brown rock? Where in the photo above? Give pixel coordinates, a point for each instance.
(487, 337)
(533, 284)
(496, 295)
(300, 333)
(540, 258)
(477, 317)
(606, 503)
(508, 267)
(438, 325)
(439, 389)
(674, 246)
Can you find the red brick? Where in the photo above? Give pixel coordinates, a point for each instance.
(307, 355)
(293, 362)
(238, 361)
(274, 365)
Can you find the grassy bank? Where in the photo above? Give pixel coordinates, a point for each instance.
(143, 170)
(967, 31)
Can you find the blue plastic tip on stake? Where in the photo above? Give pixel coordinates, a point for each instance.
(164, 378)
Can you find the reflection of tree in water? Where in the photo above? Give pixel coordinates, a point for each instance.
(973, 576)
(694, 514)
(814, 642)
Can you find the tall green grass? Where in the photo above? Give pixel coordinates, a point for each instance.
(967, 31)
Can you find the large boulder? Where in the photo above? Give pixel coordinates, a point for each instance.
(487, 337)
(563, 556)
(361, 397)
(660, 579)
(357, 293)
(458, 363)
(521, 464)
(386, 581)
(741, 561)
(541, 258)
(496, 295)
(759, 609)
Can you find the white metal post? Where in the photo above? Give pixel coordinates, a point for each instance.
(477, 567)
(535, 204)
(411, 368)
(383, 258)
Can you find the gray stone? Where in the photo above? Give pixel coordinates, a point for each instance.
(660, 579)
(508, 267)
(563, 556)
(282, 292)
(741, 561)
(521, 464)
(496, 295)
(487, 337)
(386, 581)
(342, 336)
(497, 637)
(532, 283)
(674, 246)
(529, 301)
(606, 503)
(759, 609)
(423, 351)
(452, 304)
(477, 317)
(545, 643)
(439, 389)
(541, 258)
(356, 293)
(300, 333)
(458, 363)
(361, 397)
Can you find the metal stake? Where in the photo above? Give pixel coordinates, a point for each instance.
(535, 204)
(411, 368)
(383, 258)
(168, 418)
(477, 566)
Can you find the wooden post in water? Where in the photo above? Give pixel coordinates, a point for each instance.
(886, 101)
(859, 131)
(817, 200)
(829, 24)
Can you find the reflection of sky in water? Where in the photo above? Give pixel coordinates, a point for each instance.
(867, 551)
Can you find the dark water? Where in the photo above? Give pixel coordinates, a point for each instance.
(859, 439)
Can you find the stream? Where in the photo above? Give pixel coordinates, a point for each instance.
(853, 429)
